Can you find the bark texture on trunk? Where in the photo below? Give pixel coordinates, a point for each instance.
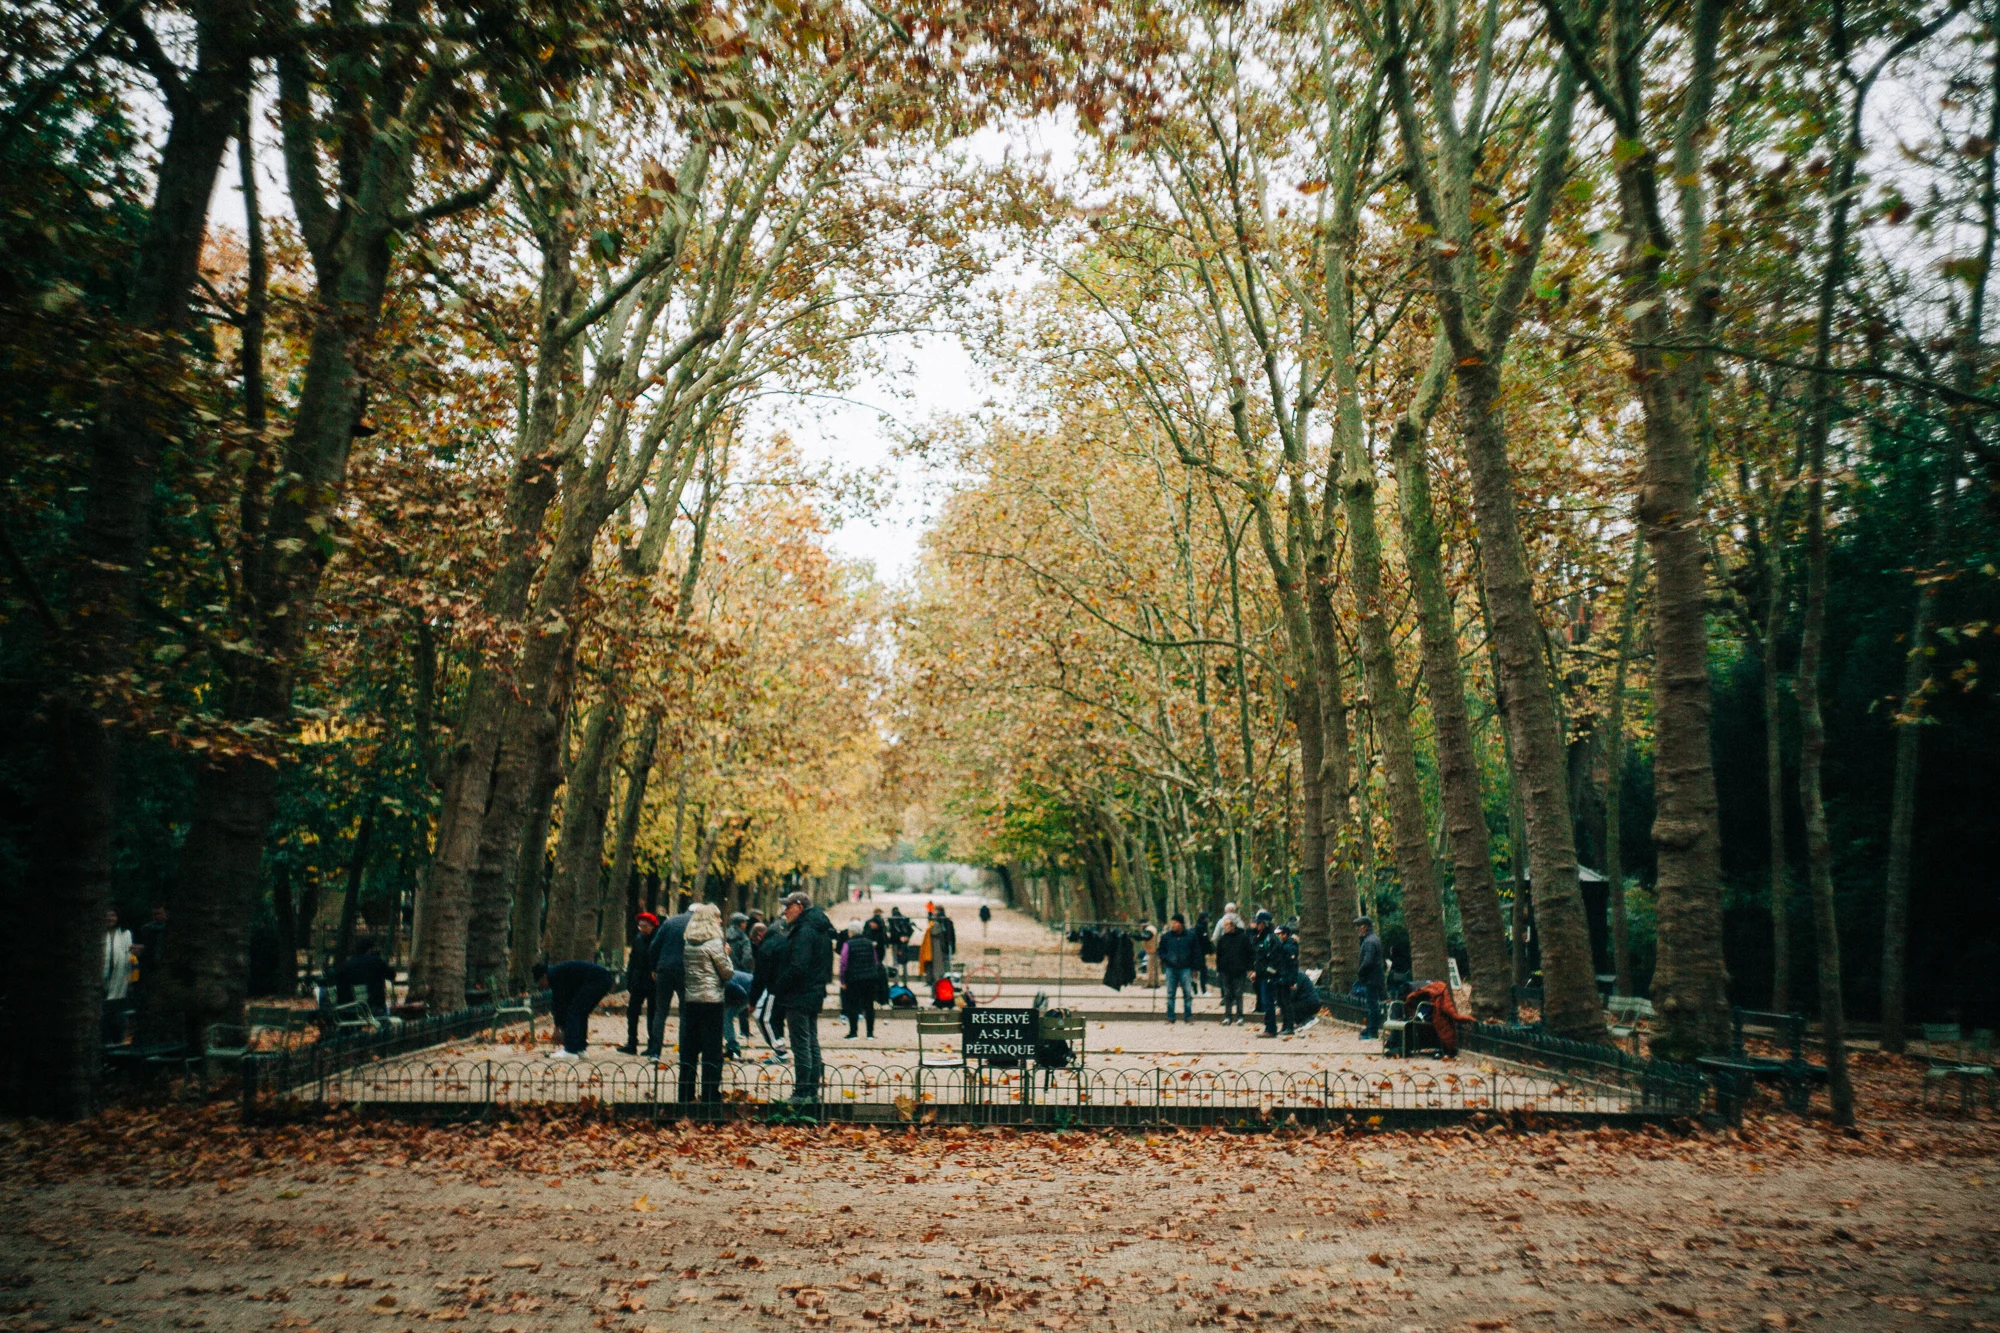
(1458, 760)
(1614, 780)
(531, 859)
(1774, 806)
(1336, 778)
(212, 902)
(570, 930)
(1902, 828)
(52, 1051)
(1423, 909)
(1573, 1007)
(638, 770)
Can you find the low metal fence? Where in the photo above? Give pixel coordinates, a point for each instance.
(280, 1074)
(1657, 1087)
(470, 1087)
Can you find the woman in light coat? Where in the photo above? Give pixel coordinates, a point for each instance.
(707, 969)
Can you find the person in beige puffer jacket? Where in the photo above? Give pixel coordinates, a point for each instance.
(706, 967)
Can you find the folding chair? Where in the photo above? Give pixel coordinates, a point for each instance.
(1069, 1027)
(938, 1024)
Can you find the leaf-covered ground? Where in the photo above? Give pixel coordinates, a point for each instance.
(160, 1220)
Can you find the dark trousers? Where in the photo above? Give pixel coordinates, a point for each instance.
(639, 1000)
(858, 1002)
(666, 985)
(1277, 1004)
(701, 1035)
(1201, 977)
(1232, 993)
(571, 1010)
(802, 1026)
(1374, 989)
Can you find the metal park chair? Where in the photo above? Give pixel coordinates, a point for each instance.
(1951, 1058)
(938, 1024)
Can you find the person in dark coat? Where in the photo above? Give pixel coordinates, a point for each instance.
(800, 990)
(1368, 971)
(668, 981)
(861, 979)
(639, 997)
(901, 930)
(767, 947)
(1278, 971)
(1235, 959)
(368, 970)
(1205, 943)
(575, 988)
(985, 919)
(877, 931)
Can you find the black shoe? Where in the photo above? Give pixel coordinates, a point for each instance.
(629, 1048)
(652, 1055)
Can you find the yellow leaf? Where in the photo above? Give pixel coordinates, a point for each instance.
(640, 1205)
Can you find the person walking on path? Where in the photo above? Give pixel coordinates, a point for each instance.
(639, 997)
(1235, 958)
(800, 989)
(117, 979)
(668, 981)
(1368, 972)
(767, 948)
(575, 987)
(985, 920)
(705, 973)
(1180, 954)
(861, 977)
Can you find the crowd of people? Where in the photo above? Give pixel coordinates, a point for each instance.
(728, 976)
(1257, 958)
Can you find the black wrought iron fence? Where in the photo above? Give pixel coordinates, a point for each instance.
(280, 1074)
(462, 1087)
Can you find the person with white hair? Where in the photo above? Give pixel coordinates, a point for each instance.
(862, 980)
(706, 972)
(1229, 914)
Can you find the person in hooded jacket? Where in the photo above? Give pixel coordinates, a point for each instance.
(800, 990)
(860, 979)
(706, 971)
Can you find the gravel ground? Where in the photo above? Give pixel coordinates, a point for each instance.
(184, 1220)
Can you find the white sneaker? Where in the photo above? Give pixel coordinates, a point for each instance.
(565, 1055)
(1309, 1025)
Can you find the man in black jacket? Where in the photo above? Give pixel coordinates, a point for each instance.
(1235, 958)
(800, 990)
(767, 948)
(575, 988)
(639, 997)
(669, 979)
(1369, 973)
(1277, 968)
(1180, 954)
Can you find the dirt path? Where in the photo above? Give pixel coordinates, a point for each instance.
(186, 1221)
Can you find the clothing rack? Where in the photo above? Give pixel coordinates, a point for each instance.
(1062, 954)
